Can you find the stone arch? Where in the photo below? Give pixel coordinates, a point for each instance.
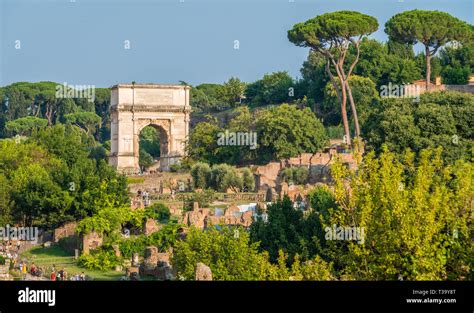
(133, 107)
(162, 127)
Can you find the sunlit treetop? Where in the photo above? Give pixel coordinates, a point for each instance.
(431, 28)
(332, 29)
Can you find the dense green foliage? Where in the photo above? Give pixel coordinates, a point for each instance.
(438, 119)
(416, 218)
(162, 239)
(158, 211)
(272, 88)
(433, 29)
(40, 100)
(221, 177)
(54, 178)
(295, 175)
(149, 146)
(386, 197)
(282, 132)
(102, 260)
(25, 125)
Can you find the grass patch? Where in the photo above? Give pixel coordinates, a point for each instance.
(135, 180)
(54, 255)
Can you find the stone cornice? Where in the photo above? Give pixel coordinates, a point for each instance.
(149, 86)
(151, 108)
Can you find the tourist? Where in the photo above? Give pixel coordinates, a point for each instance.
(53, 276)
(61, 274)
(33, 269)
(83, 276)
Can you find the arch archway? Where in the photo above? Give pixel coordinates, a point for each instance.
(163, 139)
(133, 107)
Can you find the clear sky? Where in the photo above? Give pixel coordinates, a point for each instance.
(82, 42)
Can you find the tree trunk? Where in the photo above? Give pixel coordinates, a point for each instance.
(428, 67)
(353, 109)
(344, 114)
(48, 114)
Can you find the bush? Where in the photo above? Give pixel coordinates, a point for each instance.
(296, 175)
(158, 211)
(321, 199)
(248, 180)
(230, 257)
(201, 174)
(102, 260)
(224, 176)
(162, 239)
(2, 260)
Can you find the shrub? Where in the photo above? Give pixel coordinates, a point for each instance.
(102, 260)
(158, 211)
(162, 239)
(321, 199)
(224, 176)
(2, 260)
(201, 174)
(248, 180)
(296, 175)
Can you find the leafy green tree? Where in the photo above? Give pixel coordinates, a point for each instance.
(288, 230)
(5, 201)
(456, 75)
(315, 76)
(88, 121)
(331, 35)
(271, 89)
(457, 63)
(158, 211)
(365, 95)
(202, 145)
(232, 91)
(415, 217)
(223, 177)
(382, 65)
(321, 199)
(433, 29)
(102, 107)
(201, 174)
(403, 50)
(37, 199)
(242, 122)
(440, 119)
(296, 175)
(207, 97)
(230, 256)
(286, 131)
(24, 125)
(248, 181)
(144, 159)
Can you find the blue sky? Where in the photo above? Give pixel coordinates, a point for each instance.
(81, 42)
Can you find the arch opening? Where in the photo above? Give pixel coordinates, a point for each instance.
(152, 147)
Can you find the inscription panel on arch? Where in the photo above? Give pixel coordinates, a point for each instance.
(152, 97)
